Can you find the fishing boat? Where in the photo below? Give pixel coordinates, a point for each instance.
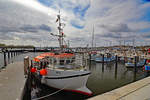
(65, 70)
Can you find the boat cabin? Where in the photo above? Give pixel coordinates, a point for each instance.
(63, 60)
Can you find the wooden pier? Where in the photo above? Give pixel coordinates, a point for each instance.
(12, 82)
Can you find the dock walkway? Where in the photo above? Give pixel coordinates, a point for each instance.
(12, 82)
(139, 90)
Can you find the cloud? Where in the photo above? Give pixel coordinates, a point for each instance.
(31, 28)
(117, 28)
(31, 21)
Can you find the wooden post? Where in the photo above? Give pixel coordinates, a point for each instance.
(26, 65)
(31, 64)
(5, 62)
(90, 61)
(103, 63)
(11, 54)
(17, 53)
(135, 65)
(8, 55)
(34, 49)
(116, 66)
(14, 53)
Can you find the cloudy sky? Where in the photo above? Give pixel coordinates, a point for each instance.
(30, 22)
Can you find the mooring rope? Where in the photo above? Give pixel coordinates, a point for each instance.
(50, 94)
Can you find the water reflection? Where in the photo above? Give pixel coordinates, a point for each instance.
(111, 76)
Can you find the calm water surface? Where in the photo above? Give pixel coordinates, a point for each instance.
(19, 57)
(111, 78)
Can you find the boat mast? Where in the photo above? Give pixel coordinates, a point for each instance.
(60, 39)
(60, 32)
(93, 37)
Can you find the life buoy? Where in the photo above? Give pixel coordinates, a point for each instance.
(43, 72)
(33, 70)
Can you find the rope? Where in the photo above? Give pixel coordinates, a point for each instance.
(50, 94)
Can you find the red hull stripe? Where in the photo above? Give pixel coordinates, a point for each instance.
(78, 91)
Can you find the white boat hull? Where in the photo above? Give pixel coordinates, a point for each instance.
(68, 80)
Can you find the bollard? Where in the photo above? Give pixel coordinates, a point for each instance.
(103, 63)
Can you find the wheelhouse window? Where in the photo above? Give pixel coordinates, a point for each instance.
(61, 62)
(67, 61)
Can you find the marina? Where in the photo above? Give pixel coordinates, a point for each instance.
(99, 82)
(74, 50)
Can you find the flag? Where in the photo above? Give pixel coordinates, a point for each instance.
(58, 17)
(62, 33)
(57, 20)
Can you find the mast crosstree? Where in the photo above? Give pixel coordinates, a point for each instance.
(60, 32)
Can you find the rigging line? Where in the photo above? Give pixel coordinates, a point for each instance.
(50, 94)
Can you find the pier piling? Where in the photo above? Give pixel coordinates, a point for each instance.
(103, 63)
(116, 66)
(5, 62)
(14, 53)
(135, 65)
(89, 61)
(11, 54)
(116, 62)
(8, 55)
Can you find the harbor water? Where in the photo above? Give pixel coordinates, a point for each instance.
(15, 58)
(101, 81)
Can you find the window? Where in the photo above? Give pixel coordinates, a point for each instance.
(61, 62)
(67, 61)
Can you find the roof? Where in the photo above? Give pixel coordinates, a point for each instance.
(61, 55)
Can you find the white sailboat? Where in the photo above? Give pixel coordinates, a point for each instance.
(65, 71)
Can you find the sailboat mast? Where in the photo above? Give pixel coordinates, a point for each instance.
(93, 37)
